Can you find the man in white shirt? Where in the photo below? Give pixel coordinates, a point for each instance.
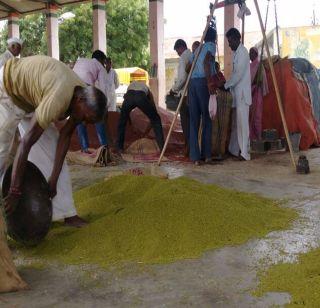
(92, 72)
(240, 87)
(185, 60)
(13, 50)
(112, 82)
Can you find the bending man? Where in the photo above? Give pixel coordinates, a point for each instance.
(53, 92)
(139, 96)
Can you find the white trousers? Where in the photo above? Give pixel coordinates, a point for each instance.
(42, 153)
(240, 133)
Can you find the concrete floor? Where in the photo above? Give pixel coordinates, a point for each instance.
(221, 278)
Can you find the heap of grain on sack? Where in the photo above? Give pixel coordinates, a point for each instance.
(151, 220)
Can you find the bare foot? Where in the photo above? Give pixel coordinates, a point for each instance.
(75, 221)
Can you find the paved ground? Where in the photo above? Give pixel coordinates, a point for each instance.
(221, 278)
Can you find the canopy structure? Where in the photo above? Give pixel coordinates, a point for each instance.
(25, 7)
(13, 10)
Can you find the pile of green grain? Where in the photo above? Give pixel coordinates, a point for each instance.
(301, 280)
(152, 220)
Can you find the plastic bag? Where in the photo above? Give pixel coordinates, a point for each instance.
(212, 106)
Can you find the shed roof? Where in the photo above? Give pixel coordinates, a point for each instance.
(24, 7)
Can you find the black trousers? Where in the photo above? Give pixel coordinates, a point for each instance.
(138, 99)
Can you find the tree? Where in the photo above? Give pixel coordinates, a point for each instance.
(33, 33)
(75, 34)
(127, 33)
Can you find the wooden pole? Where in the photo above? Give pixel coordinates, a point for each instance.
(212, 9)
(275, 84)
(243, 27)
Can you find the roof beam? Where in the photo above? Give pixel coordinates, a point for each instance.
(9, 8)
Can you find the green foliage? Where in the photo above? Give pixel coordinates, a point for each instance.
(33, 33)
(75, 34)
(127, 33)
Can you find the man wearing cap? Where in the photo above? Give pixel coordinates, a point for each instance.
(13, 50)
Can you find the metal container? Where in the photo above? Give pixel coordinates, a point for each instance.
(30, 221)
(270, 135)
(172, 102)
(303, 165)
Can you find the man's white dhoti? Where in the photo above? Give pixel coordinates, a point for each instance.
(10, 116)
(239, 139)
(42, 154)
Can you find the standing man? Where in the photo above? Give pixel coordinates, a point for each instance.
(185, 59)
(92, 72)
(139, 96)
(13, 50)
(259, 89)
(112, 82)
(199, 101)
(240, 87)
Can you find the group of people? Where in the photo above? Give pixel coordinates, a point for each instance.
(247, 85)
(37, 91)
(36, 95)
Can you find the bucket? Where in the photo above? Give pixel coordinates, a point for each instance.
(30, 221)
(172, 102)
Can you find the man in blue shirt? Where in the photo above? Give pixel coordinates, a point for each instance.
(199, 101)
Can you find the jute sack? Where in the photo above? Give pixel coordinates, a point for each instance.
(9, 277)
(98, 157)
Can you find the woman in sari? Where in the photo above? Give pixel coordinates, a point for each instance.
(259, 89)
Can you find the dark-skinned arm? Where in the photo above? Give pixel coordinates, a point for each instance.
(208, 61)
(19, 164)
(62, 148)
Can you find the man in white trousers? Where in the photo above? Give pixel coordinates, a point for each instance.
(112, 84)
(240, 87)
(42, 155)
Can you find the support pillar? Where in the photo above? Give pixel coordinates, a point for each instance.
(53, 31)
(99, 25)
(156, 32)
(13, 25)
(230, 21)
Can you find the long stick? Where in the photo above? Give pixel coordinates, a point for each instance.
(212, 9)
(243, 27)
(275, 84)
